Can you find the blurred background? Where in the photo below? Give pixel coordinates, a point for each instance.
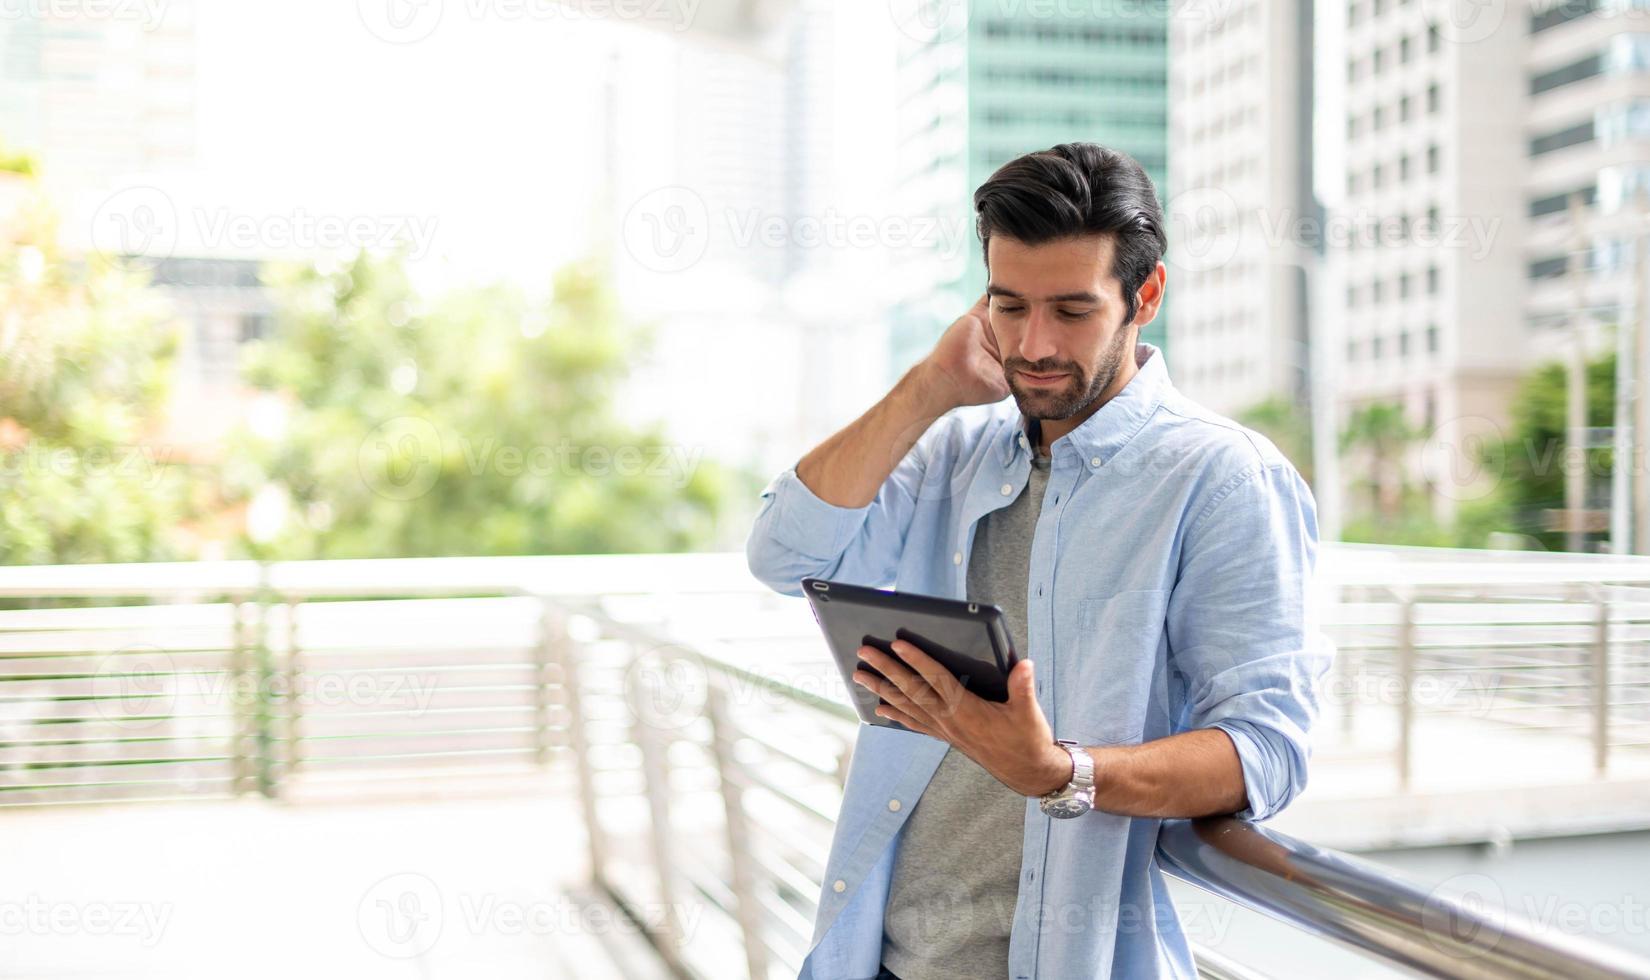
(386, 389)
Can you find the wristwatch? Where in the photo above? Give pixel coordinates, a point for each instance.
(1076, 797)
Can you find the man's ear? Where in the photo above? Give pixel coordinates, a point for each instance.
(1149, 299)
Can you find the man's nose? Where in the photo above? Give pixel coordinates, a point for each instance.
(1038, 340)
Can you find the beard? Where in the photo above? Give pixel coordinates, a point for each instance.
(1083, 385)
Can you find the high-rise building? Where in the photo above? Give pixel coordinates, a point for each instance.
(1426, 246)
(1589, 139)
(981, 82)
(95, 91)
(1241, 163)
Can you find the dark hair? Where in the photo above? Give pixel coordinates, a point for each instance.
(1077, 189)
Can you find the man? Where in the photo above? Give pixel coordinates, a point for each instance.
(1153, 559)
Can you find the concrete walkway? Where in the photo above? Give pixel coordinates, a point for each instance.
(252, 889)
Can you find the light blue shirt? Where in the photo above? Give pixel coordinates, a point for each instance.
(1169, 591)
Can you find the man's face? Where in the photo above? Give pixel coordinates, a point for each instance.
(1057, 312)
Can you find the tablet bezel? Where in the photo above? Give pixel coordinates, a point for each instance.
(828, 599)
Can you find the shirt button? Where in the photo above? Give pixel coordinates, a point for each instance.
(839, 885)
(1095, 461)
(1008, 488)
(893, 805)
(956, 559)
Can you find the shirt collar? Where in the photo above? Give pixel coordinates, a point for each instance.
(1109, 429)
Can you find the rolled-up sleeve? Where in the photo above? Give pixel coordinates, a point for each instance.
(1244, 631)
(797, 535)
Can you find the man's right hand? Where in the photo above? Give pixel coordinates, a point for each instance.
(966, 367)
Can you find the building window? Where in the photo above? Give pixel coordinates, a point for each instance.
(1375, 60)
(1432, 280)
(1403, 167)
(1375, 291)
(1403, 286)
(1432, 159)
(1375, 176)
(1377, 119)
(1404, 109)
(1352, 350)
(1403, 50)
(1432, 338)
(1432, 40)
(1375, 348)
(1432, 98)
(1403, 344)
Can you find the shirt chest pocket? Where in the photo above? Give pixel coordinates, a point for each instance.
(1112, 665)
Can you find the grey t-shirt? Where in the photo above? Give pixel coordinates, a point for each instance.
(956, 876)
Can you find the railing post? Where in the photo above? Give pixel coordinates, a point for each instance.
(561, 650)
(1406, 697)
(655, 746)
(1601, 685)
(242, 739)
(292, 697)
(743, 869)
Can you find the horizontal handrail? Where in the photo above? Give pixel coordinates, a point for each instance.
(1357, 903)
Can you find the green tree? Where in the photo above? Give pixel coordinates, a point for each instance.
(1288, 425)
(85, 359)
(1381, 434)
(479, 424)
(1535, 454)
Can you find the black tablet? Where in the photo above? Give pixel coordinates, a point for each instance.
(970, 639)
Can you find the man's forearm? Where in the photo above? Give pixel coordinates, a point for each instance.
(849, 468)
(1193, 774)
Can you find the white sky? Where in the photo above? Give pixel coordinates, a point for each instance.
(485, 126)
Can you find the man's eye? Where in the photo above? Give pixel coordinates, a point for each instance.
(1008, 309)
(1075, 314)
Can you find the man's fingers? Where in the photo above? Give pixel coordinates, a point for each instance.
(1022, 686)
(911, 684)
(944, 684)
(894, 714)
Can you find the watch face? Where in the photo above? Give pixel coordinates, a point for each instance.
(1074, 806)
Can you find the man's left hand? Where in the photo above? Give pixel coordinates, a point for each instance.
(1012, 739)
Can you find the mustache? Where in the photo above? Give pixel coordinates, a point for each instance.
(1044, 366)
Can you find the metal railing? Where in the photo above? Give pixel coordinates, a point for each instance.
(727, 814)
(695, 716)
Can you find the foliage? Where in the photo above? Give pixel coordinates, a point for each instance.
(85, 358)
(481, 425)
